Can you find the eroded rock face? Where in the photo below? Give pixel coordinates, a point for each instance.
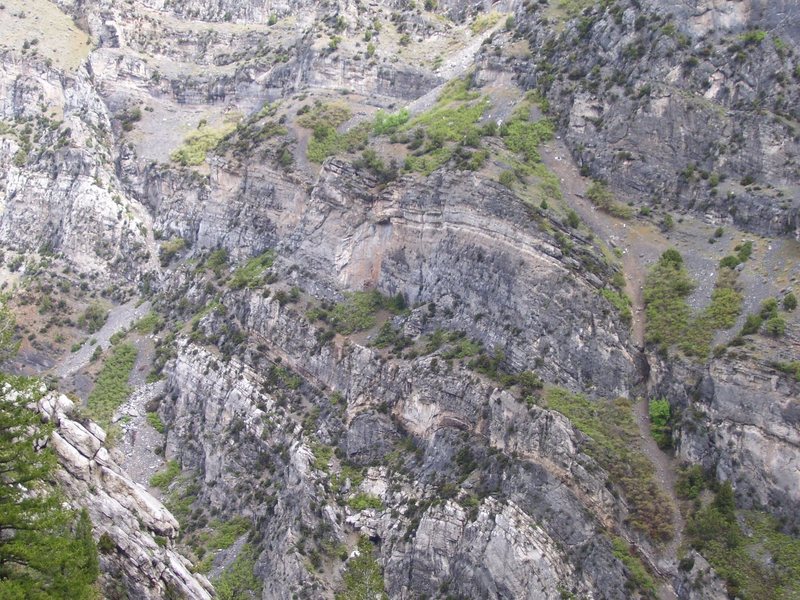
(121, 510)
(661, 98)
(740, 418)
(542, 529)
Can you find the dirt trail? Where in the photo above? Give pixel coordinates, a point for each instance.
(640, 245)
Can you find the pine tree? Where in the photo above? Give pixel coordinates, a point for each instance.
(46, 550)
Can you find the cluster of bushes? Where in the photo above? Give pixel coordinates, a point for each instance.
(374, 164)
(111, 389)
(767, 319)
(251, 273)
(714, 530)
(363, 577)
(614, 444)
(669, 318)
(599, 195)
(93, 318)
(324, 120)
(199, 143)
(358, 311)
(660, 417)
(743, 253)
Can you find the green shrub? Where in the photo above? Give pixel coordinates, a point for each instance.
(638, 576)
(198, 144)
(163, 479)
(362, 501)
(149, 323)
(362, 578)
(93, 318)
(691, 481)
(599, 195)
(752, 324)
(358, 310)
(226, 533)
(665, 291)
(660, 416)
(155, 422)
(238, 581)
(775, 327)
(386, 123)
(507, 178)
(250, 274)
(169, 249)
(620, 301)
(111, 389)
(789, 301)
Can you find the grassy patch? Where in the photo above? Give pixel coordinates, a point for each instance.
(238, 581)
(619, 301)
(388, 123)
(224, 534)
(155, 422)
(111, 389)
(485, 21)
(149, 323)
(163, 479)
(322, 457)
(599, 195)
(250, 274)
(198, 144)
(362, 501)
(449, 126)
(614, 445)
(324, 119)
(660, 413)
(359, 309)
(638, 576)
(363, 577)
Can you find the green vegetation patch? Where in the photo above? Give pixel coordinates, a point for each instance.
(599, 195)
(638, 576)
(111, 389)
(163, 479)
(250, 274)
(198, 144)
(324, 119)
(362, 501)
(485, 21)
(363, 577)
(156, 422)
(449, 126)
(149, 323)
(359, 309)
(388, 123)
(765, 563)
(669, 318)
(660, 414)
(614, 445)
(238, 581)
(620, 301)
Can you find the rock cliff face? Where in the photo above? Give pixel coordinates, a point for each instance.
(690, 106)
(139, 559)
(352, 346)
(739, 417)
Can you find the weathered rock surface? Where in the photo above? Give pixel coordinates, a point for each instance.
(661, 99)
(138, 564)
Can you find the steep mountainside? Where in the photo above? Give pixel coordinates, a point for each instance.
(413, 300)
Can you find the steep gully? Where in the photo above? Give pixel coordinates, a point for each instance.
(639, 246)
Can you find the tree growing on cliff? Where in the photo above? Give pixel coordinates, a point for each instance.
(46, 550)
